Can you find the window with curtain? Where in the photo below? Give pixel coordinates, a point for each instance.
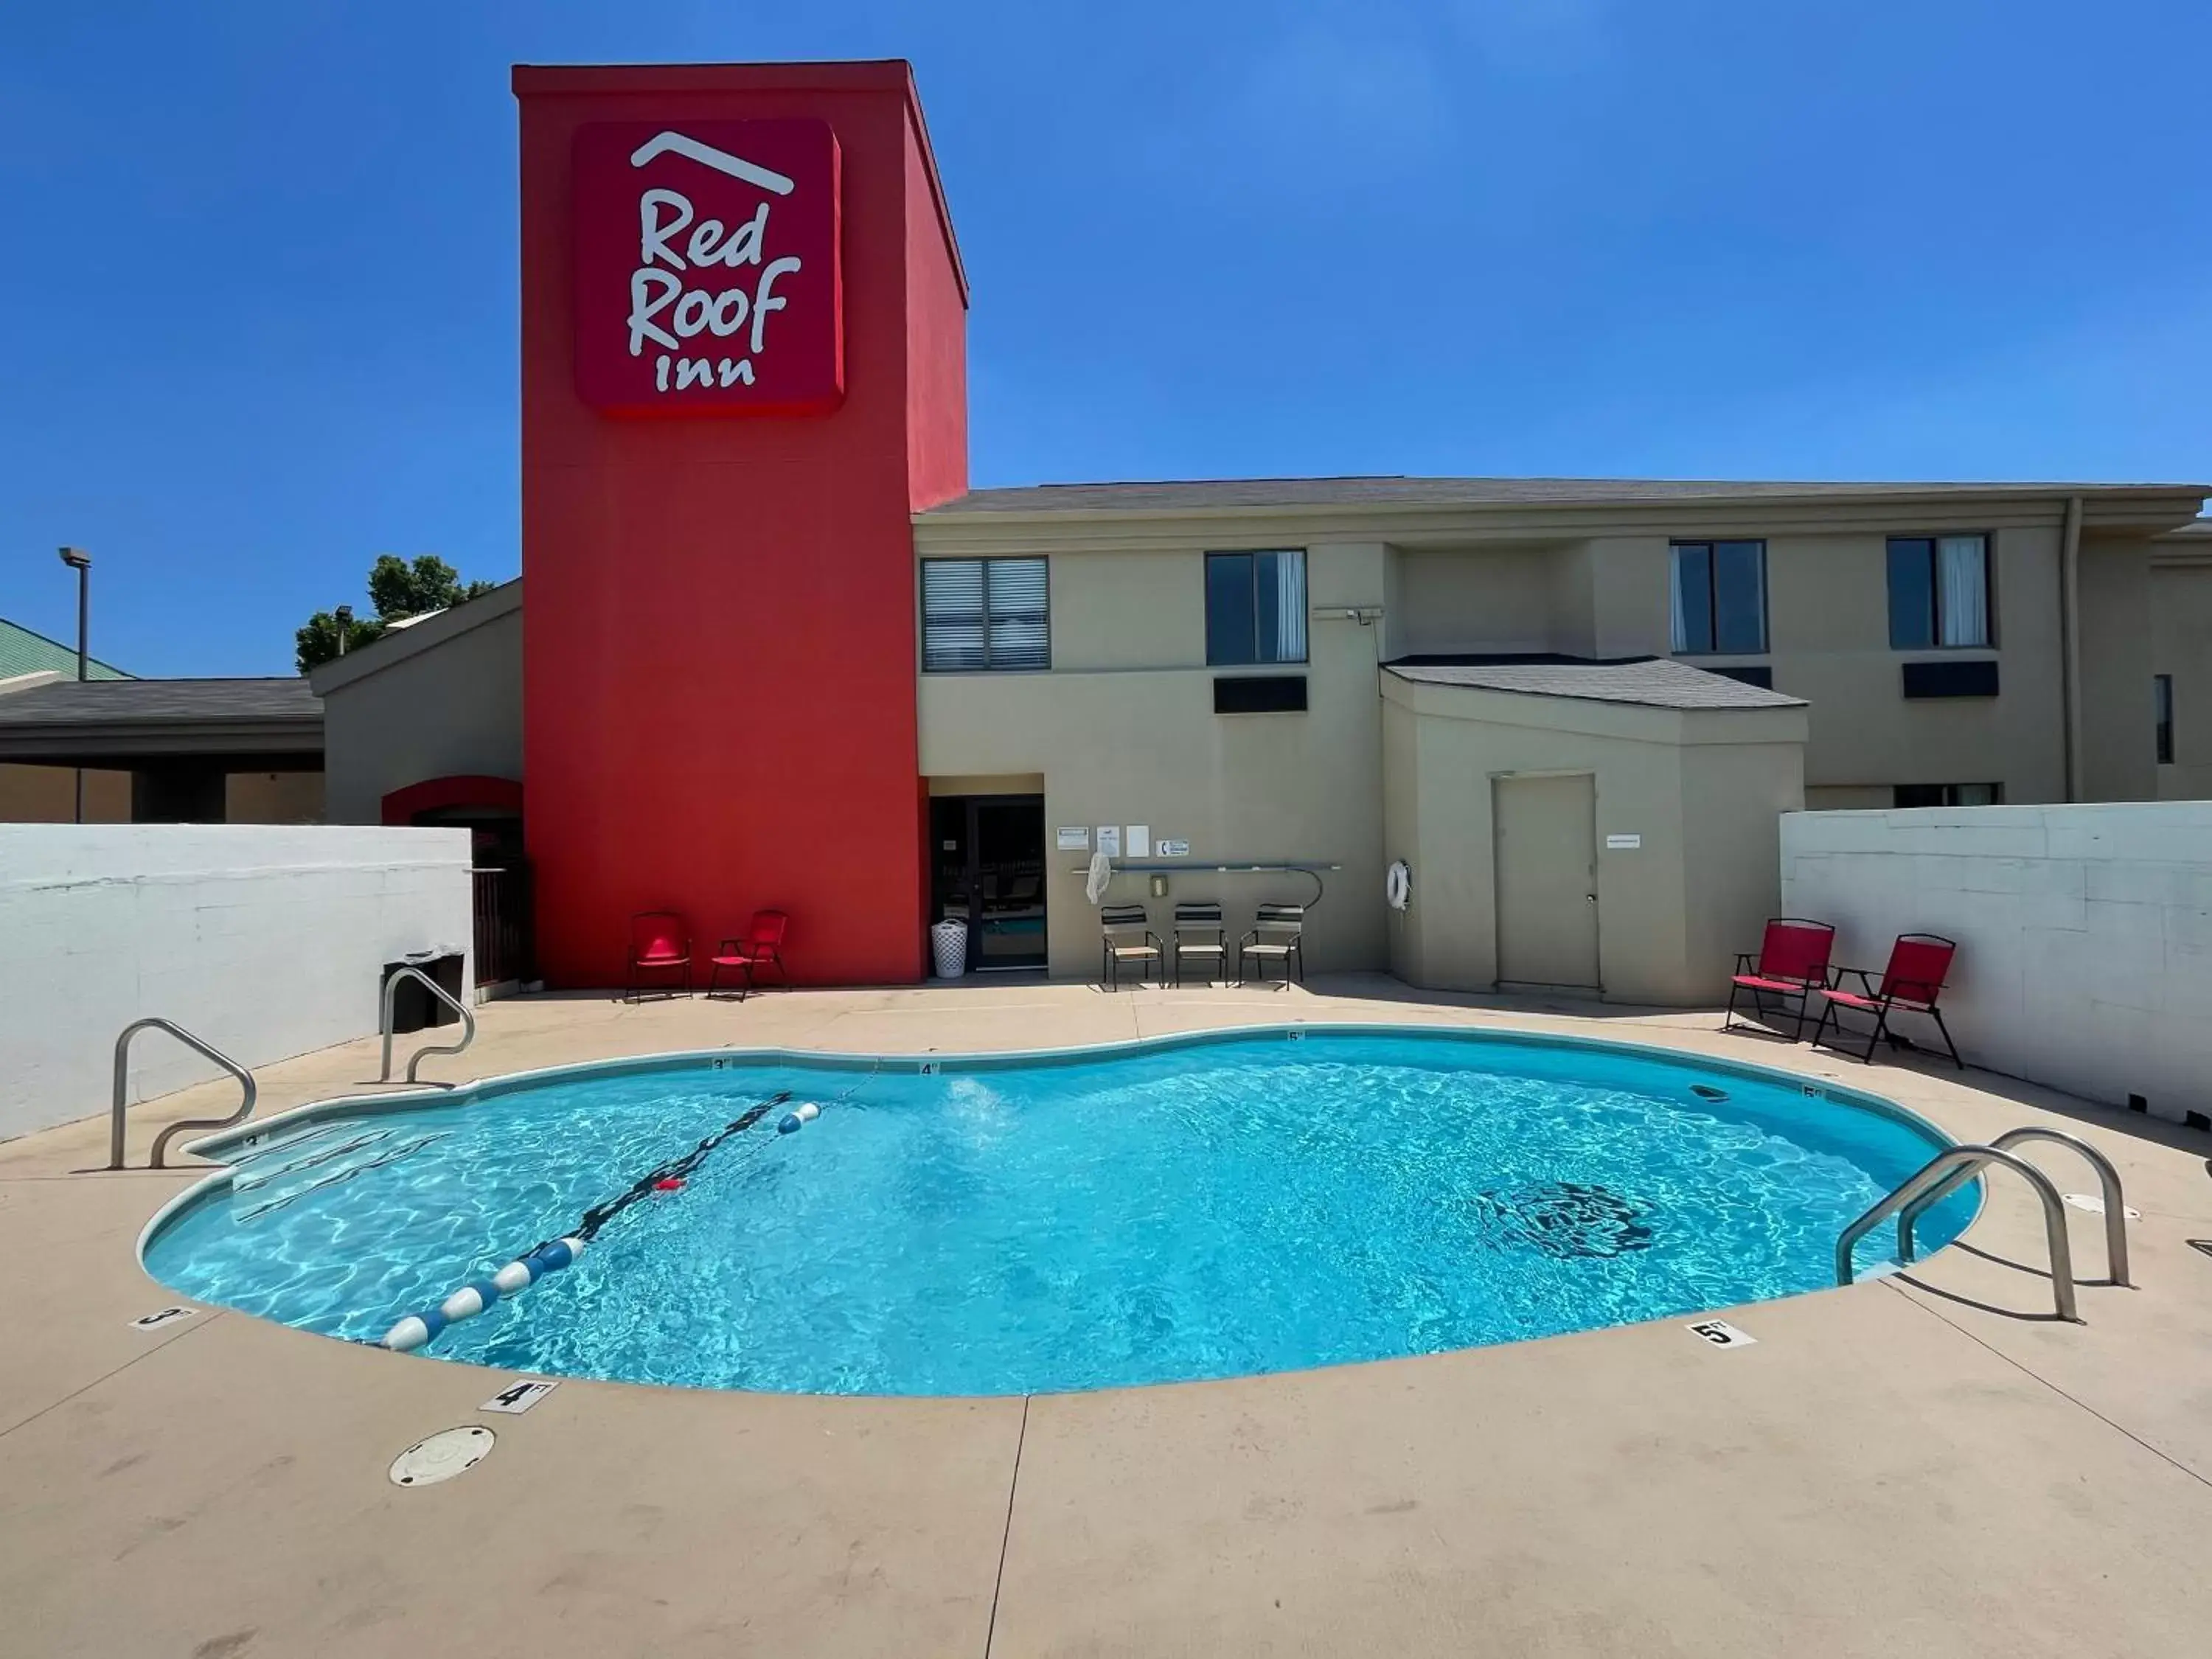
(1719, 598)
(1939, 591)
(980, 614)
(1255, 607)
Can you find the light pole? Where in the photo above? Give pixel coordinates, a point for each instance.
(344, 617)
(80, 561)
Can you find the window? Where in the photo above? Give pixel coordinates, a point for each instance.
(1720, 599)
(1950, 794)
(1939, 591)
(984, 614)
(1255, 607)
(2161, 691)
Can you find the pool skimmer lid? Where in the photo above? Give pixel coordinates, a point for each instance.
(2094, 1204)
(445, 1453)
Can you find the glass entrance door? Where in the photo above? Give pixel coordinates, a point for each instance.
(987, 870)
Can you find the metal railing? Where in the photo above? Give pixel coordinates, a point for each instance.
(468, 1022)
(1961, 1162)
(505, 946)
(2108, 1183)
(121, 1101)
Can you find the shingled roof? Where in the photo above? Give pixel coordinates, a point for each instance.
(71, 722)
(1202, 495)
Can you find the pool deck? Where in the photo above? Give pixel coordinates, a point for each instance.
(1922, 1465)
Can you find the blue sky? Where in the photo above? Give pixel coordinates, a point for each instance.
(257, 309)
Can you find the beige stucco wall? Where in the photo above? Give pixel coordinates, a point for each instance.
(454, 707)
(1828, 637)
(47, 794)
(1123, 730)
(1702, 791)
(273, 797)
(2119, 747)
(2181, 644)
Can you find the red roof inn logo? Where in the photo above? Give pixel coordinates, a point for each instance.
(707, 268)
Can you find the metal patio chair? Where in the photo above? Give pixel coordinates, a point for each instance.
(1200, 933)
(660, 942)
(1278, 934)
(1918, 964)
(1792, 964)
(760, 946)
(1126, 935)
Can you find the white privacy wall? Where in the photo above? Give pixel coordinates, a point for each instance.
(2085, 932)
(266, 940)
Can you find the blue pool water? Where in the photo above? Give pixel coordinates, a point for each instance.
(1202, 1210)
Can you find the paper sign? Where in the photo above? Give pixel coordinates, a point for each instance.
(165, 1317)
(1140, 840)
(1623, 843)
(1109, 840)
(514, 1400)
(1075, 837)
(1173, 849)
(1721, 1334)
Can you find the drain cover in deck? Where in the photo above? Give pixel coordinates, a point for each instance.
(443, 1456)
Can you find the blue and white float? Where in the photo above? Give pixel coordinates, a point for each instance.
(473, 1297)
(805, 1113)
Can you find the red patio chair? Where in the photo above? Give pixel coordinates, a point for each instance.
(659, 942)
(761, 947)
(1793, 963)
(1918, 964)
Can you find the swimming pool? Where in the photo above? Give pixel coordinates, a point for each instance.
(1204, 1206)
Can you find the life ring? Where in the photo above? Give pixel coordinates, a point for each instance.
(1398, 885)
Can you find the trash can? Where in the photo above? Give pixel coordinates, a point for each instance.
(948, 941)
(413, 1007)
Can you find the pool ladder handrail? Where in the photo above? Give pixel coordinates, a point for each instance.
(1970, 1159)
(2108, 1186)
(468, 1023)
(121, 1102)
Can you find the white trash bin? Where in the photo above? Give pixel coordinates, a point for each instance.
(948, 941)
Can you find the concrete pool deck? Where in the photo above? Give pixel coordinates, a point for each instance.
(1925, 1465)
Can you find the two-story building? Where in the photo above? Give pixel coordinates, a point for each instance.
(776, 652)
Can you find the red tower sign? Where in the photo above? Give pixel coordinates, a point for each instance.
(707, 277)
(719, 690)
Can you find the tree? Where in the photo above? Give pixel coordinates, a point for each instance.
(398, 590)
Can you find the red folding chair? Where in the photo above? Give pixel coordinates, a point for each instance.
(761, 947)
(1792, 964)
(660, 942)
(1919, 965)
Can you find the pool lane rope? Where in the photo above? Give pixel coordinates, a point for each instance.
(554, 1253)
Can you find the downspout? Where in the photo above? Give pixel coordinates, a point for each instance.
(2070, 662)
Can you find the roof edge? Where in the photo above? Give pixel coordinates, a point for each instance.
(396, 646)
(822, 75)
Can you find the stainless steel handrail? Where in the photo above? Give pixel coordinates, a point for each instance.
(468, 1023)
(123, 1083)
(1967, 1159)
(2108, 1183)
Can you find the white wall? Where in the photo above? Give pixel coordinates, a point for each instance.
(2085, 932)
(266, 940)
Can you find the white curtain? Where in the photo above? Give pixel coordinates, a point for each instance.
(1677, 622)
(1962, 579)
(1291, 606)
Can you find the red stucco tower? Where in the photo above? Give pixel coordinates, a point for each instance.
(743, 368)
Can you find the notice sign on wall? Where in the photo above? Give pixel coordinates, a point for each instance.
(707, 278)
